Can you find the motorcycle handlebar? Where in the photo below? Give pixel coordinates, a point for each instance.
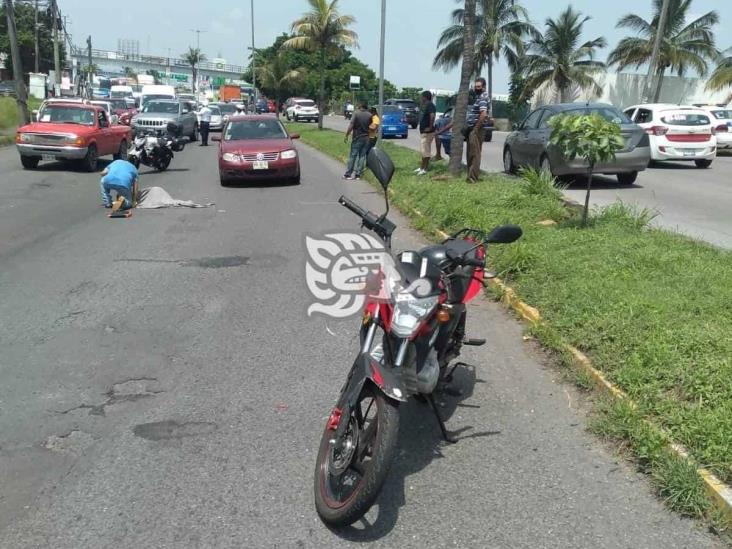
(355, 208)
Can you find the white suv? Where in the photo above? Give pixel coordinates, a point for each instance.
(722, 122)
(302, 109)
(677, 132)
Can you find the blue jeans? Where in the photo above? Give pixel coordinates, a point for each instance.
(124, 192)
(357, 157)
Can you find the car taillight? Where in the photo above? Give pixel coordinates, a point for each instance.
(722, 128)
(657, 130)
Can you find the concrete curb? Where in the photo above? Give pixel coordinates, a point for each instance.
(719, 492)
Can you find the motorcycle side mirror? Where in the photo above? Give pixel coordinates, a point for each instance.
(381, 166)
(505, 234)
(514, 126)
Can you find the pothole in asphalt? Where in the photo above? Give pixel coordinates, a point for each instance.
(169, 429)
(128, 390)
(75, 442)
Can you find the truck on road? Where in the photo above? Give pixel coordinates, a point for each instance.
(229, 92)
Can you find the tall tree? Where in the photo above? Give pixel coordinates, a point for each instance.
(275, 78)
(721, 78)
(323, 30)
(193, 57)
(684, 45)
(561, 59)
(500, 26)
(466, 72)
(25, 16)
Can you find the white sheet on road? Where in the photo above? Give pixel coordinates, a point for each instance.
(157, 197)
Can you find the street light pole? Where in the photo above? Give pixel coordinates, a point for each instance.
(254, 67)
(381, 66)
(36, 34)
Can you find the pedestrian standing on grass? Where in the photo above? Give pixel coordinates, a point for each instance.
(476, 123)
(373, 130)
(443, 125)
(358, 129)
(426, 131)
(205, 117)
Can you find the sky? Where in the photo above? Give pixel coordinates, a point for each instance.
(412, 28)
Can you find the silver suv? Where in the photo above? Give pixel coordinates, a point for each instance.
(157, 113)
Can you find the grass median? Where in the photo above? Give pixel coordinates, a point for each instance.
(652, 309)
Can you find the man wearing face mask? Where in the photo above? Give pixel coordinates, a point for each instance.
(477, 122)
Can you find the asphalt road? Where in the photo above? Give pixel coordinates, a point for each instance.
(162, 386)
(689, 200)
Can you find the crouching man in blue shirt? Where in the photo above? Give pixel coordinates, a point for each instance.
(119, 176)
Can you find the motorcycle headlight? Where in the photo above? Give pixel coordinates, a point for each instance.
(409, 311)
(290, 153)
(230, 157)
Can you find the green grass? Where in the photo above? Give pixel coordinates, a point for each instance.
(651, 308)
(9, 112)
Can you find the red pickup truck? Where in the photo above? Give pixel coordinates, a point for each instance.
(71, 131)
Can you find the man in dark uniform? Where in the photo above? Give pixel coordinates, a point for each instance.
(359, 129)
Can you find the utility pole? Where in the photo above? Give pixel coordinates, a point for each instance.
(198, 32)
(254, 68)
(56, 53)
(36, 34)
(89, 82)
(22, 99)
(381, 65)
(655, 54)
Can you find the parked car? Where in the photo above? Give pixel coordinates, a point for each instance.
(124, 109)
(410, 109)
(261, 106)
(394, 122)
(446, 137)
(302, 110)
(71, 131)
(271, 106)
(722, 121)
(107, 106)
(227, 110)
(677, 132)
(217, 119)
(257, 147)
(100, 93)
(528, 144)
(7, 88)
(157, 113)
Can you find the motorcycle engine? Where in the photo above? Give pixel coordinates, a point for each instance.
(429, 375)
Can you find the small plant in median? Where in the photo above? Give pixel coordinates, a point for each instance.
(589, 137)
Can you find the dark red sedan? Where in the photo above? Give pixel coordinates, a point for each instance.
(257, 147)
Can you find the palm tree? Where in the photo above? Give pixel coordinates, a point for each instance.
(461, 104)
(500, 25)
(683, 46)
(324, 30)
(193, 57)
(558, 58)
(277, 76)
(129, 72)
(721, 78)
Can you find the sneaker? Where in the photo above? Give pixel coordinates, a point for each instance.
(417, 170)
(356, 177)
(421, 172)
(349, 177)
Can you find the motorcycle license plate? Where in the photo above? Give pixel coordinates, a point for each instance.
(260, 165)
(48, 157)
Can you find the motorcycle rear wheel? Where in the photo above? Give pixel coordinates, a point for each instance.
(163, 164)
(349, 473)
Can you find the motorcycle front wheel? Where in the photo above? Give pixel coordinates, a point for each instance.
(163, 163)
(350, 472)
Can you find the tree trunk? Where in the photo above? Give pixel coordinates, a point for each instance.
(193, 84)
(587, 196)
(659, 84)
(20, 89)
(461, 105)
(490, 85)
(321, 92)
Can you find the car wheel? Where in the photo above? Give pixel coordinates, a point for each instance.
(627, 178)
(194, 136)
(414, 125)
(295, 180)
(488, 136)
(508, 165)
(545, 165)
(91, 160)
(122, 153)
(30, 162)
(703, 163)
(223, 180)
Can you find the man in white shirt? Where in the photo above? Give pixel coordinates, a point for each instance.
(204, 117)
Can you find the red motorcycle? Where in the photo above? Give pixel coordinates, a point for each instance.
(413, 327)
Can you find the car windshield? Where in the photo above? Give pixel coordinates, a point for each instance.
(227, 108)
(149, 98)
(608, 113)
(119, 104)
(406, 104)
(120, 94)
(166, 107)
(254, 129)
(215, 111)
(390, 109)
(305, 103)
(681, 118)
(64, 114)
(722, 114)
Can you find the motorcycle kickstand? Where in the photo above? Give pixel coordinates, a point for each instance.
(443, 429)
